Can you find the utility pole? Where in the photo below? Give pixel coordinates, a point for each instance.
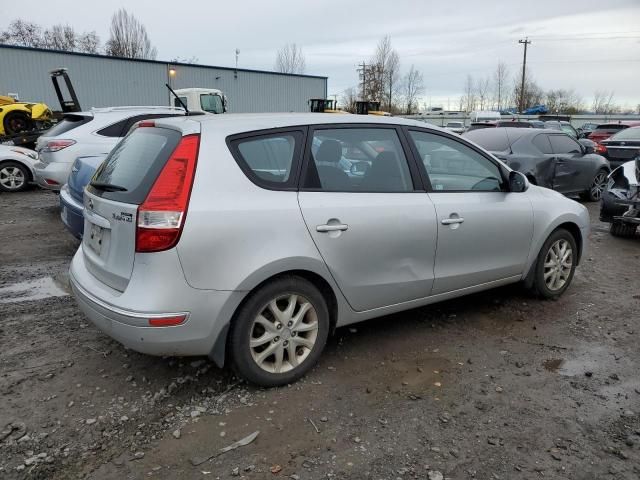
(526, 42)
(363, 69)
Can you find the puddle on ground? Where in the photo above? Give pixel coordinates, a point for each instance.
(553, 364)
(38, 289)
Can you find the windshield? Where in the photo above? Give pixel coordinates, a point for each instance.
(627, 134)
(211, 103)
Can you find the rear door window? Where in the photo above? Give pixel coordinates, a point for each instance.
(564, 144)
(541, 142)
(269, 160)
(493, 139)
(135, 163)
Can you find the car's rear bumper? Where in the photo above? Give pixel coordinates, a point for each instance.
(123, 316)
(71, 212)
(52, 176)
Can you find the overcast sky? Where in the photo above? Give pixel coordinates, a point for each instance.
(586, 45)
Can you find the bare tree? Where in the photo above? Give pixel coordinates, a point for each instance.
(412, 88)
(348, 100)
(22, 33)
(603, 102)
(383, 75)
(192, 59)
(482, 91)
(469, 94)
(563, 101)
(500, 78)
(60, 37)
(129, 38)
(290, 59)
(533, 94)
(88, 42)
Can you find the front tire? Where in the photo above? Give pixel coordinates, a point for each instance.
(555, 265)
(279, 332)
(597, 187)
(14, 177)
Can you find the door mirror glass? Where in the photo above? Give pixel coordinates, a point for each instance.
(518, 182)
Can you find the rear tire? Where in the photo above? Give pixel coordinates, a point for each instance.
(279, 332)
(16, 122)
(622, 229)
(556, 264)
(14, 177)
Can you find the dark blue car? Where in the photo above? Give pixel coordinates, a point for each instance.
(71, 203)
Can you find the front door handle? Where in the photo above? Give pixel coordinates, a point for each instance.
(339, 227)
(452, 221)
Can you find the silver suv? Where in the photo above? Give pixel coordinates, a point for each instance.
(245, 237)
(85, 134)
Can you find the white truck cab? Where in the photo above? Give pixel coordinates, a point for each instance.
(209, 100)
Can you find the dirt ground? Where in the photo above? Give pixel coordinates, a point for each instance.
(498, 385)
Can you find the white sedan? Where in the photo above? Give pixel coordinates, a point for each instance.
(16, 168)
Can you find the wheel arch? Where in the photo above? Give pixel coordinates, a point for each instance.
(327, 288)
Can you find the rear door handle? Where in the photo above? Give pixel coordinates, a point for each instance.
(451, 221)
(340, 227)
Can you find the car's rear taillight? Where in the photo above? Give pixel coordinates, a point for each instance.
(57, 145)
(600, 149)
(161, 216)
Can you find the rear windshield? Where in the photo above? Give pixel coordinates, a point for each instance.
(627, 134)
(611, 128)
(134, 164)
(492, 139)
(69, 122)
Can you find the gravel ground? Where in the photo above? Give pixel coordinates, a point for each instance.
(497, 385)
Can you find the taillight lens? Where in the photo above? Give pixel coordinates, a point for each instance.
(600, 148)
(161, 216)
(57, 145)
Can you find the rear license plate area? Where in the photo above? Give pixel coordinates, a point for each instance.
(94, 239)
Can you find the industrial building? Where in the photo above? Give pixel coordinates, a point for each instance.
(101, 81)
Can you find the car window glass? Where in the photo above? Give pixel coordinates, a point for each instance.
(453, 166)
(211, 103)
(113, 130)
(358, 160)
(492, 139)
(270, 158)
(176, 102)
(564, 144)
(541, 142)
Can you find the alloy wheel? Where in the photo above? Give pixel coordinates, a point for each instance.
(284, 333)
(598, 186)
(557, 265)
(12, 178)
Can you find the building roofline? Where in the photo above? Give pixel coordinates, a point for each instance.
(160, 62)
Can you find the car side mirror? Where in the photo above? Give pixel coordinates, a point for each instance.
(518, 182)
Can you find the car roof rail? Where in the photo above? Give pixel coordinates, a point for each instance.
(126, 108)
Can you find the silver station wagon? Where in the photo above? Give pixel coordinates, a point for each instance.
(249, 238)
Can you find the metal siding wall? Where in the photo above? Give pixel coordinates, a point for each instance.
(101, 82)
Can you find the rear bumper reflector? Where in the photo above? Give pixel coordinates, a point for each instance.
(167, 321)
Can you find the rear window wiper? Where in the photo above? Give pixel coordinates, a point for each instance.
(108, 187)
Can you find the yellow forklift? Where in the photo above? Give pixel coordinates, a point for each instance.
(322, 105)
(370, 108)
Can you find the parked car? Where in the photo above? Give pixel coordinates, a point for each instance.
(536, 123)
(201, 247)
(455, 127)
(548, 158)
(606, 130)
(71, 194)
(87, 133)
(620, 206)
(16, 168)
(481, 125)
(562, 126)
(586, 128)
(621, 147)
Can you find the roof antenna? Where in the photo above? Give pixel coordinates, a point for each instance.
(178, 98)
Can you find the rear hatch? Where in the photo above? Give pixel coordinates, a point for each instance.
(119, 187)
(602, 132)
